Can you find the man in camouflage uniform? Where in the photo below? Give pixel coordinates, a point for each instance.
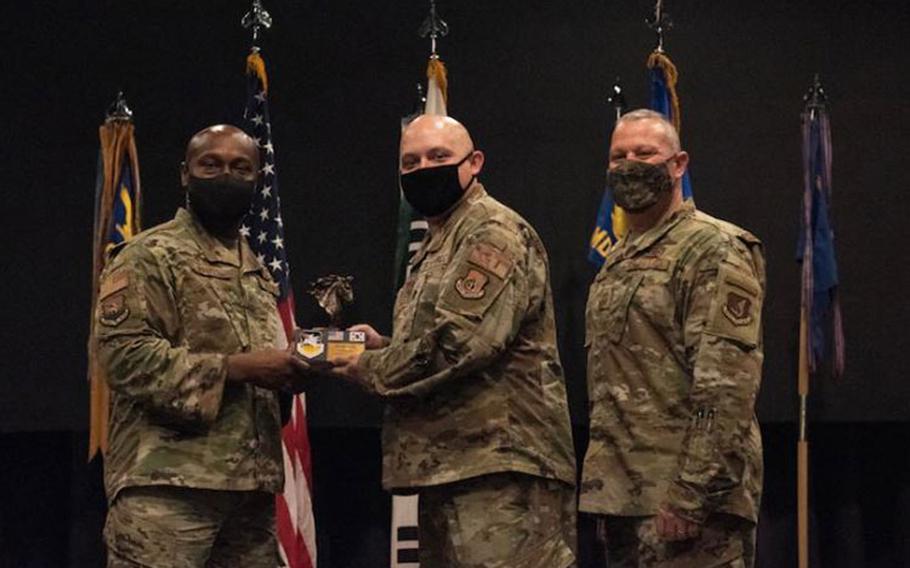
(476, 420)
(674, 463)
(186, 329)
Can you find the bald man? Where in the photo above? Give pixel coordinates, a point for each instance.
(476, 419)
(185, 331)
(674, 463)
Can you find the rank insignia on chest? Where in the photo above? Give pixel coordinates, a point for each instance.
(737, 309)
(471, 285)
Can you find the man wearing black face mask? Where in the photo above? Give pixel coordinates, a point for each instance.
(674, 463)
(186, 332)
(476, 416)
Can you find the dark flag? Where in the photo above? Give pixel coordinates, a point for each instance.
(815, 248)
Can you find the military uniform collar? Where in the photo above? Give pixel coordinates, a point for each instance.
(214, 251)
(627, 249)
(433, 240)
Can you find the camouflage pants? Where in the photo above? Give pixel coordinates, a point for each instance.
(502, 520)
(726, 541)
(176, 527)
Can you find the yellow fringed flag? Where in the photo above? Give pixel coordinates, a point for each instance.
(437, 87)
(665, 99)
(117, 219)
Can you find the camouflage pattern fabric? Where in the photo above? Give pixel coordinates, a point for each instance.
(175, 527)
(503, 520)
(472, 376)
(173, 302)
(725, 541)
(674, 365)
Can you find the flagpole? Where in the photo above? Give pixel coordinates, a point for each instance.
(814, 100)
(802, 445)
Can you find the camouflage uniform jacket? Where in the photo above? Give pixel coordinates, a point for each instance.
(674, 366)
(174, 302)
(472, 377)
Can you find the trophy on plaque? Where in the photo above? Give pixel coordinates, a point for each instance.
(324, 344)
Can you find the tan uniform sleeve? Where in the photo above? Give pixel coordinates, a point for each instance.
(136, 315)
(722, 329)
(482, 302)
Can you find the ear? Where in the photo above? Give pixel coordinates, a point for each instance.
(680, 165)
(184, 175)
(476, 162)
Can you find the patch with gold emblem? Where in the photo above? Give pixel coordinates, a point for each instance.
(737, 309)
(471, 285)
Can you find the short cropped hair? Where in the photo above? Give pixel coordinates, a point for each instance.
(648, 114)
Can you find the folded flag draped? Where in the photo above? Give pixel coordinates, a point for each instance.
(117, 218)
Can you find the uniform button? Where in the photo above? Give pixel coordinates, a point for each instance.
(253, 444)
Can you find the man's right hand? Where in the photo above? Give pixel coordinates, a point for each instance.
(271, 369)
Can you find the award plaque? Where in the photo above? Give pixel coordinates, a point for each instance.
(323, 344)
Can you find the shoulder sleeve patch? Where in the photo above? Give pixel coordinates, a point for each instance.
(736, 310)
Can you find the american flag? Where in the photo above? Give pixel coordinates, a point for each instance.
(264, 229)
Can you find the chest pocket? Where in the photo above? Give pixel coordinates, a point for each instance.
(614, 305)
(261, 301)
(424, 297)
(210, 305)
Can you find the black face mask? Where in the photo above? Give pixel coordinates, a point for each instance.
(433, 191)
(638, 185)
(220, 202)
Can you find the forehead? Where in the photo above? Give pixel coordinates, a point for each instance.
(231, 145)
(643, 132)
(424, 137)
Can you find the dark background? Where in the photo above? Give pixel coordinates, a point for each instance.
(530, 79)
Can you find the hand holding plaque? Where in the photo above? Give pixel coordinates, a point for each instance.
(324, 345)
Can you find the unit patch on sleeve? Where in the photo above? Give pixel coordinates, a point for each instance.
(113, 310)
(471, 285)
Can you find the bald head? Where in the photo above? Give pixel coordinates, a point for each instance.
(220, 150)
(217, 134)
(428, 139)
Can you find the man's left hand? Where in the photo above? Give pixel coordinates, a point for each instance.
(672, 527)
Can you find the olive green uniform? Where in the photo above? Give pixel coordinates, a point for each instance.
(674, 366)
(173, 303)
(473, 382)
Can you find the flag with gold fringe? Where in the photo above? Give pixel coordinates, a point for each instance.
(264, 229)
(117, 219)
(665, 99)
